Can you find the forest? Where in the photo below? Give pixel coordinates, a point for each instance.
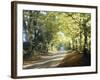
(48, 33)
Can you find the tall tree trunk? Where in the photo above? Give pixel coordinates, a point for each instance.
(85, 39)
(80, 41)
(76, 47)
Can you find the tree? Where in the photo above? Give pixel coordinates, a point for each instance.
(47, 30)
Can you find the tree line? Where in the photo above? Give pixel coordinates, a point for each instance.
(46, 31)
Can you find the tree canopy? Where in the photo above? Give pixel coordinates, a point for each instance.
(49, 31)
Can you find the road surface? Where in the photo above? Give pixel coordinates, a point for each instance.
(47, 61)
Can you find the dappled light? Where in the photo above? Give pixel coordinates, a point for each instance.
(50, 36)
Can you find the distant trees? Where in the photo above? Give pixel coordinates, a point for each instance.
(47, 30)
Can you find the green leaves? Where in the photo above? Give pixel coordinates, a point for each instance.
(57, 28)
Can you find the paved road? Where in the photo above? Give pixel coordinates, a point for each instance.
(47, 61)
